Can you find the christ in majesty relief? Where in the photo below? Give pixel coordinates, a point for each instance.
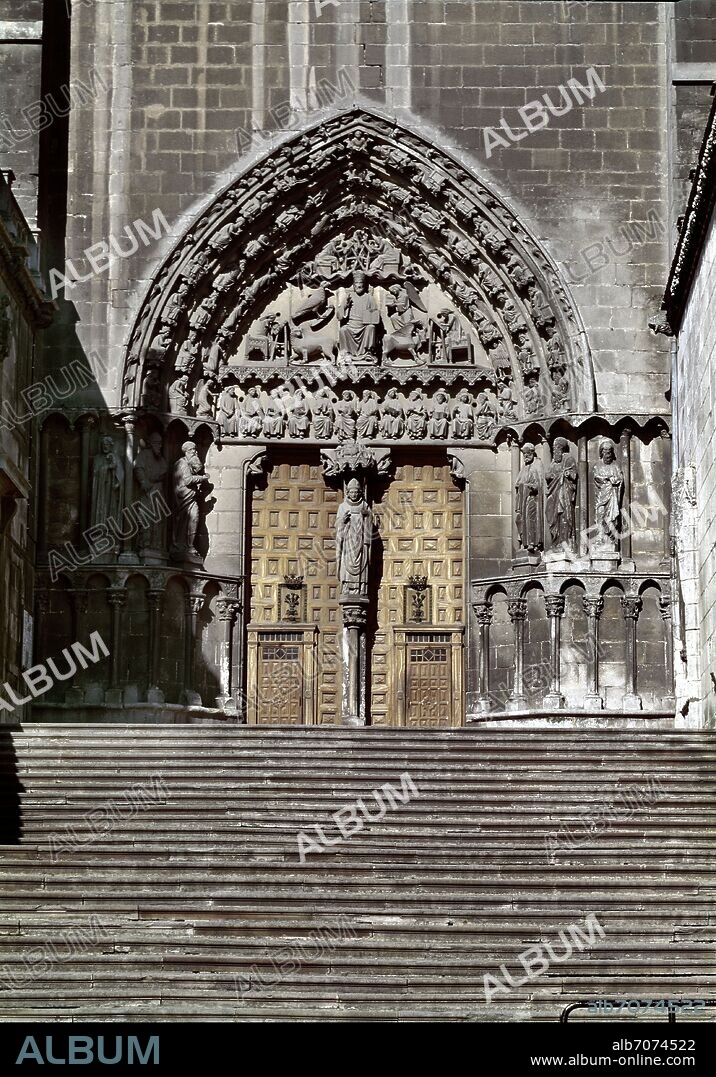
(358, 316)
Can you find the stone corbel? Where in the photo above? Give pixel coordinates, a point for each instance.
(258, 464)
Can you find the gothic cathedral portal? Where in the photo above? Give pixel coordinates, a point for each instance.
(369, 397)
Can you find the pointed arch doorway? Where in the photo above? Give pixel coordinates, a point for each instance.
(357, 308)
(412, 640)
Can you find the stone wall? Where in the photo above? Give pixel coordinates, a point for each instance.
(22, 314)
(21, 65)
(694, 42)
(695, 486)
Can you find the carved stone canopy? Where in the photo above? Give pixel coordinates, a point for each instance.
(450, 277)
(354, 458)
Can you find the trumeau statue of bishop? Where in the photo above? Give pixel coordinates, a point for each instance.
(354, 536)
(358, 316)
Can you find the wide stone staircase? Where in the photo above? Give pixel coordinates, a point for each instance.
(153, 872)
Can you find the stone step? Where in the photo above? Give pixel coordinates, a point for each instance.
(344, 900)
(145, 832)
(241, 944)
(368, 755)
(375, 1011)
(288, 731)
(304, 812)
(595, 781)
(356, 770)
(368, 986)
(305, 923)
(206, 886)
(376, 858)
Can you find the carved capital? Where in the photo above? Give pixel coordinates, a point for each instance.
(117, 597)
(258, 464)
(154, 599)
(355, 458)
(457, 467)
(593, 605)
(354, 614)
(554, 605)
(517, 609)
(227, 609)
(195, 604)
(660, 324)
(631, 607)
(483, 612)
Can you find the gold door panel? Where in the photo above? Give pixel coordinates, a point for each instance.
(293, 519)
(420, 518)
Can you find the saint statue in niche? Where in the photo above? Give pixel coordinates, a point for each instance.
(561, 478)
(486, 417)
(609, 487)
(152, 390)
(179, 395)
(529, 491)
(150, 469)
(227, 411)
(273, 416)
(205, 398)
(354, 537)
(190, 482)
(107, 483)
(358, 316)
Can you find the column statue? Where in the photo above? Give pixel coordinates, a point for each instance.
(150, 471)
(107, 483)
(190, 482)
(609, 487)
(354, 537)
(529, 491)
(561, 478)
